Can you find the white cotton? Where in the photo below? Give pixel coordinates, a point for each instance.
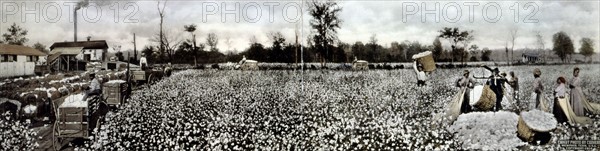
(487, 130)
(40, 89)
(75, 100)
(422, 54)
(29, 109)
(475, 94)
(115, 81)
(539, 120)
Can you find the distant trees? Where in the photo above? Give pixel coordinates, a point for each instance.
(148, 52)
(563, 45)
(15, 35)
(474, 50)
(120, 56)
(587, 48)
(485, 54)
(455, 36)
(41, 47)
(438, 50)
(278, 53)
(325, 22)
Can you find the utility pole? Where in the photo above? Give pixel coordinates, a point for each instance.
(134, 50)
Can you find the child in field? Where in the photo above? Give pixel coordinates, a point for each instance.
(421, 75)
(514, 84)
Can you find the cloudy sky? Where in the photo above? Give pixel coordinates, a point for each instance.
(236, 22)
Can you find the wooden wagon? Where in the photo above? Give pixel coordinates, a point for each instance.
(77, 118)
(249, 65)
(360, 65)
(139, 76)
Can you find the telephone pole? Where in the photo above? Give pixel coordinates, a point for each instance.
(134, 49)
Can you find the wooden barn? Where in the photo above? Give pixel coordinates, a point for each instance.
(18, 60)
(67, 56)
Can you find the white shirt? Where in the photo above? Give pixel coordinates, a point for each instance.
(143, 61)
(560, 90)
(420, 74)
(95, 85)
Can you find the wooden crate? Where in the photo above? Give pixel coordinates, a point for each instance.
(73, 122)
(114, 93)
(139, 75)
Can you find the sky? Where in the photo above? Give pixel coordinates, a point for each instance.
(236, 22)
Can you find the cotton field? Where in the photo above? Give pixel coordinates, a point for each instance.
(322, 110)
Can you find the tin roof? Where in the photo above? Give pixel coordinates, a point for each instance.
(20, 50)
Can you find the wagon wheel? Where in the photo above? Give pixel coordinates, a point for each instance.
(56, 140)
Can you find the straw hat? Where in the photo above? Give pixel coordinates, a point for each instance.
(537, 71)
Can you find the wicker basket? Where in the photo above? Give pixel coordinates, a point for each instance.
(426, 59)
(524, 131)
(487, 101)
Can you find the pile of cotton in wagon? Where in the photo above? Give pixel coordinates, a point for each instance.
(116, 81)
(75, 100)
(487, 130)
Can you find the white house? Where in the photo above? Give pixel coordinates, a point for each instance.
(18, 60)
(530, 57)
(74, 55)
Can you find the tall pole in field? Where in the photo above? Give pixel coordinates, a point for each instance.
(302, 35)
(134, 50)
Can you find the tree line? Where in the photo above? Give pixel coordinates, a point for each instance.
(322, 45)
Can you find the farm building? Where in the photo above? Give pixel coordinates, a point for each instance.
(18, 60)
(530, 57)
(66, 56)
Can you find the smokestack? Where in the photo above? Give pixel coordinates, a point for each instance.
(75, 25)
(81, 4)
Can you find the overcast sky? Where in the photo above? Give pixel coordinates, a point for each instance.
(491, 21)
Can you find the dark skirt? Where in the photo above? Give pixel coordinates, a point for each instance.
(558, 112)
(465, 107)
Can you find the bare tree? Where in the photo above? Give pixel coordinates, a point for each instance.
(170, 41)
(161, 14)
(513, 37)
(541, 44)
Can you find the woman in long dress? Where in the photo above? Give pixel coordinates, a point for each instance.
(576, 98)
(466, 83)
(559, 93)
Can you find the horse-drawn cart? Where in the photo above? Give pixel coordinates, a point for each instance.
(77, 118)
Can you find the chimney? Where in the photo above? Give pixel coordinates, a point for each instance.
(88, 38)
(75, 23)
